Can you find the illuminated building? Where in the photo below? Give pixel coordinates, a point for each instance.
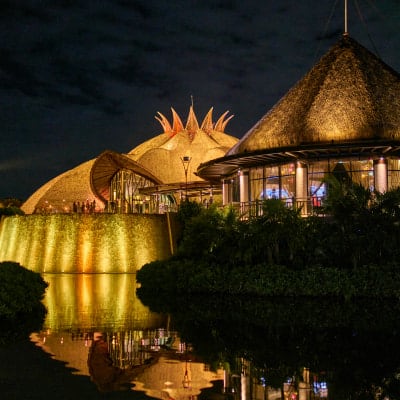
(148, 179)
(341, 118)
(111, 214)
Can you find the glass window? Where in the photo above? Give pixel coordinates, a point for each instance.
(393, 173)
(272, 183)
(316, 175)
(288, 181)
(279, 181)
(256, 181)
(350, 171)
(362, 173)
(125, 196)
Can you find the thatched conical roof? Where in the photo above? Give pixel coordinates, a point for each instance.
(204, 141)
(349, 95)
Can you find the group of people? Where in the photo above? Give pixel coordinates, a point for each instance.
(84, 207)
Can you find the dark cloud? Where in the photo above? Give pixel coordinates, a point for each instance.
(78, 77)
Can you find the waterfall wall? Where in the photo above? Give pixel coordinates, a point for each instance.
(86, 243)
(88, 302)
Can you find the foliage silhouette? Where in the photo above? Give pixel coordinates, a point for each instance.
(352, 344)
(21, 307)
(351, 251)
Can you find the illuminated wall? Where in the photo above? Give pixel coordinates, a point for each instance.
(89, 243)
(92, 302)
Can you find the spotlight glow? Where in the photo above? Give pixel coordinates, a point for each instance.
(74, 243)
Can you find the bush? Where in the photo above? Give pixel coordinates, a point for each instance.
(11, 210)
(21, 295)
(351, 253)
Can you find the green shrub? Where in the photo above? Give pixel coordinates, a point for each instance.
(21, 295)
(11, 210)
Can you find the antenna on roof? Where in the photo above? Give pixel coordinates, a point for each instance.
(345, 19)
(191, 97)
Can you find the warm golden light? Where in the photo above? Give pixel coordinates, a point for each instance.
(175, 379)
(84, 301)
(75, 243)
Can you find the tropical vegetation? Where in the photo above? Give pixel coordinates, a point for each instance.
(21, 307)
(350, 248)
(10, 206)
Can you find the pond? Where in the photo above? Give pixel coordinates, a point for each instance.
(168, 347)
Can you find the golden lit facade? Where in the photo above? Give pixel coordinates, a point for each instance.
(111, 214)
(86, 243)
(148, 179)
(340, 119)
(126, 195)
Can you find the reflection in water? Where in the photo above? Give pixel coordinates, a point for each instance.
(176, 378)
(81, 302)
(257, 349)
(138, 350)
(105, 373)
(101, 367)
(349, 349)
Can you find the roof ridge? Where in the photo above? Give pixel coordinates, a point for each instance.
(350, 93)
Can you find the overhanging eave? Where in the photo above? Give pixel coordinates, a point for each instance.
(217, 169)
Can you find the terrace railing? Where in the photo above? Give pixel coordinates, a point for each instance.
(307, 207)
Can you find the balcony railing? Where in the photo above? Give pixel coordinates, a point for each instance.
(307, 207)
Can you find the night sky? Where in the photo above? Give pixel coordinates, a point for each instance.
(80, 77)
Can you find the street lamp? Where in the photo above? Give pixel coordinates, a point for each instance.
(185, 162)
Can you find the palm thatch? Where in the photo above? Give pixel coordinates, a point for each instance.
(199, 141)
(349, 95)
(158, 160)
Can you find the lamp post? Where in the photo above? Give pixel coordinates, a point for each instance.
(185, 162)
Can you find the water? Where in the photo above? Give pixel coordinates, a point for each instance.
(141, 342)
(233, 348)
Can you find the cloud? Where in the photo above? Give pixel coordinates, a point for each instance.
(78, 77)
(13, 164)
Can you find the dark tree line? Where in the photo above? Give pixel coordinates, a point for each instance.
(354, 240)
(355, 227)
(10, 207)
(21, 307)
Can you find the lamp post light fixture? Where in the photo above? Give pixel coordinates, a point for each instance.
(186, 162)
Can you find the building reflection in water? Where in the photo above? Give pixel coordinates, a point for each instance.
(246, 382)
(142, 344)
(176, 376)
(79, 305)
(153, 361)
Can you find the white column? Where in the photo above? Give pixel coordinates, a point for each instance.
(301, 185)
(304, 391)
(304, 387)
(380, 175)
(244, 191)
(244, 186)
(245, 387)
(225, 192)
(245, 381)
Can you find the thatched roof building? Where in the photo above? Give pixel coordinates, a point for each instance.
(349, 95)
(162, 154)
(346, 107)
(130, 179)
